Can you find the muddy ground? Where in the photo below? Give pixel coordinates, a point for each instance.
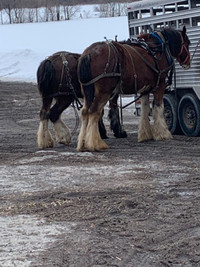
(134, 205)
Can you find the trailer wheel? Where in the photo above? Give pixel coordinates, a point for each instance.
(170, 114)
(189, 115)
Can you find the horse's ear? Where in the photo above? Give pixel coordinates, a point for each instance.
(184, 31)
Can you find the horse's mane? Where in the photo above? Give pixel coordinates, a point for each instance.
(172, 37)
(128, 41)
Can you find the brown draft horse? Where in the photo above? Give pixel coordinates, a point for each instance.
(108, 68)
(57, 79)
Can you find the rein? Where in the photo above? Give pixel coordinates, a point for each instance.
(195, 50)
(183, 47)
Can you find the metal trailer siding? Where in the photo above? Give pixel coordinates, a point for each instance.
(142, 4)
(189, 79)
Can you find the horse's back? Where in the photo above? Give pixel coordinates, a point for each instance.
(56, 70)
(98, 55)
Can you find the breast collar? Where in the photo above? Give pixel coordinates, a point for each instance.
(165, 48)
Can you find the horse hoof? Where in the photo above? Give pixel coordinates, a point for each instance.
(122, 134)
(64, 141)
(103, 134)
(161, 136)
(45, 145)
(93, 148)
(103, 146)
(104, 137)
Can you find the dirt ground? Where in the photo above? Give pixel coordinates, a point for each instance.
(134, 205)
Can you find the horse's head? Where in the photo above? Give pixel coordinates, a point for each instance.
(179, 46)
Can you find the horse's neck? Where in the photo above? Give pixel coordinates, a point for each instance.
(143, 36)
(173, 40)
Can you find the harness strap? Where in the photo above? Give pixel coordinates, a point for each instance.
(158, 71)
(147, 63)
(58, 94)
(135, 74)
(65, 64)
(71, 92)
(103, 75)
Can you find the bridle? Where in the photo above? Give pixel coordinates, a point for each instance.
(183, 49)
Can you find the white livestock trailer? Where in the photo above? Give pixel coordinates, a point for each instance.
(182, 98)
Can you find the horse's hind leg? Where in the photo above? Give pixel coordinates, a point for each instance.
(113, 115)
(145, 131)
(89, 138)
(44, 138)
(62, 132)
(82, 133)
(93, 141)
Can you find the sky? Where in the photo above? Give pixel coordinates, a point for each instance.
(24, 46)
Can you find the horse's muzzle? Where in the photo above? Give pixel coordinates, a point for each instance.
(186, 66)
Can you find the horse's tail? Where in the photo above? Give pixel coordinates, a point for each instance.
(84, 73)
(45, 76)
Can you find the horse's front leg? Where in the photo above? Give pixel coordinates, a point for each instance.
(145, 131)
(44, 138)
(159, 129)
(62, 132)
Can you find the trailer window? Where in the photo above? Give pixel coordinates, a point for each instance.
(170, 8)
(195, 3)
(182, 5)
(130, 15)
(196, 21)
(131, 31)
(137, 31)
(157, 10)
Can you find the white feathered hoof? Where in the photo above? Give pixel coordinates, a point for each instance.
(63, 135)
(44, 138)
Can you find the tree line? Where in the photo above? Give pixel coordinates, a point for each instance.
(42, 3)
(24, 11)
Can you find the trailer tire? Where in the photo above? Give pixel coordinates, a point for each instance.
(189, 115)
(171, 114)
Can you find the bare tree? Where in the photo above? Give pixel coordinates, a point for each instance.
(70, 11)
(31, 14)
(18, 14)
(20, 11)
(58, 15)
(111, 9)
(7, 5)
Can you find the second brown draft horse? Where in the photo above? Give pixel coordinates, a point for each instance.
(56, 79)
(109, 68)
